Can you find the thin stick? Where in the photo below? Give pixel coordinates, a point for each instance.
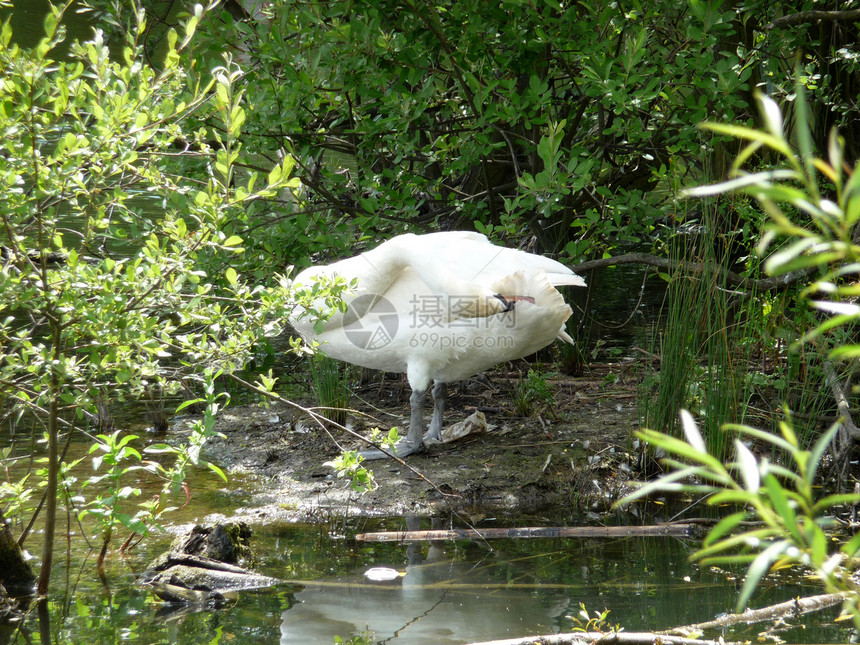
(673, 530)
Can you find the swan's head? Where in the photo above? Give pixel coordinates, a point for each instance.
(483, 306)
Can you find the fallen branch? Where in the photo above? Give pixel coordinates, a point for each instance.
(787, 609)
(600, 638)
(851, 431)
(848, 433)
(673, 530)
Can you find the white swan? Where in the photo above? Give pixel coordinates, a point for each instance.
(440, 307)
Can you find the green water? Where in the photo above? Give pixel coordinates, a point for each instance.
(452, 592)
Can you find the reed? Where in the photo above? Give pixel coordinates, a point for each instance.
(331, 383)
(704, 342)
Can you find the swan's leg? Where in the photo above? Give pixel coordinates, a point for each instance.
(416, 423)
(412, 442)
(440, 395)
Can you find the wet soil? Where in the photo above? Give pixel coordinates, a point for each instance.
(566, 459)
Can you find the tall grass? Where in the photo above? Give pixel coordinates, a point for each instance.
(704, 342)
(331, 383)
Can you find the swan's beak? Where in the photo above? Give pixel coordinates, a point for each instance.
(481, 306)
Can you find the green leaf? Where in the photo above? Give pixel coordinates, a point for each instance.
(725, 526)
(126, 439)
(746, 540)
(782, 506)
(231, 276)
(846, 352)
(691, 432)
(732, 497)
(680, 448)
(852, 546)
(767, 437)
(837, 499)
(185, 404)
(748, 466)
(818, 544)
(771, 115)
(756, 179)
(667, 482)
(758, 569)
(275, 175)
(215, 469)
(818, 451)
(750, 134)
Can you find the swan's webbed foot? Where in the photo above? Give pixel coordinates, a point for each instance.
(401, 449)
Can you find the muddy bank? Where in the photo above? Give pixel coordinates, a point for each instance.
(568, 459)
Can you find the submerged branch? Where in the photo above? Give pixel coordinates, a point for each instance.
(788, 609)
(601, 638)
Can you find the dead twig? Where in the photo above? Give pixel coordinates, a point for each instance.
(848, 433)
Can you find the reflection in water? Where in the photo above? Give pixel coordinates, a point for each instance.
(453, 592)
(439, 600)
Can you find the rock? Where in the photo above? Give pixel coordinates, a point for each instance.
(201, 567)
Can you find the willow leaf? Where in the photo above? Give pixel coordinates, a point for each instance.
(763, 435)
(757, 570)
(725, 526)
(782, 506)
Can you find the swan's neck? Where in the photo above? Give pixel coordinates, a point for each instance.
(390, 262)
(380, 268)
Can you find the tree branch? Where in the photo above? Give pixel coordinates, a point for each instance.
(765, 284)
(813, 16)
(788, 609)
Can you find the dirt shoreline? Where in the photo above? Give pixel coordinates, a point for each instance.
(569, 460)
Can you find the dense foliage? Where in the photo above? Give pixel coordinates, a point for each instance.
(571, 122)
(99, 301)
(794, 524)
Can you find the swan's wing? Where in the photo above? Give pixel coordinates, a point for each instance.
(566, 280)
(475, 259)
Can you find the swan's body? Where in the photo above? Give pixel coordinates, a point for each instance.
(440, 307)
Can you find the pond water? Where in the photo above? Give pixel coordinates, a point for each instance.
(452, 591)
